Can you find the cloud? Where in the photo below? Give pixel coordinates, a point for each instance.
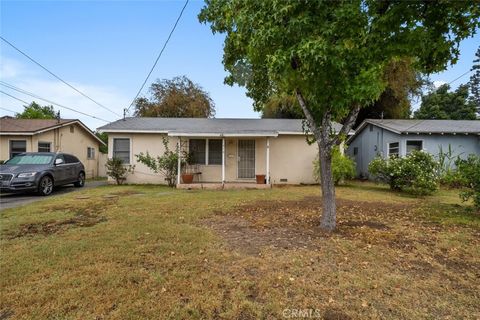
(60, 93)
(438, 83)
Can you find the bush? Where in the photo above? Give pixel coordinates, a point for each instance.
(343, 168)
(469, 176)
(117, 170)
(417, 173)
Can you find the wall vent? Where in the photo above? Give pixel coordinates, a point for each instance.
(284, 180)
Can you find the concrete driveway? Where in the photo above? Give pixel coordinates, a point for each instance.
(12, 200)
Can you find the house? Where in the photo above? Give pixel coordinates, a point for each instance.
(52, 135)
(224, 150)
(399, 137)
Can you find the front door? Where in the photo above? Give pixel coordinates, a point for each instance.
(246, 159)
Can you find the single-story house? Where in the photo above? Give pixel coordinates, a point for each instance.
(224, 150)
(386, 137)
(52, 135)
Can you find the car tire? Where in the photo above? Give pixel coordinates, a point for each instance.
(81, 180)
(45, 186)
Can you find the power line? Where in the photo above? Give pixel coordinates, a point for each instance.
(57, 77)
(3, 83)
(14, 97)
(460, 77)
(14, 112)
(159, 55)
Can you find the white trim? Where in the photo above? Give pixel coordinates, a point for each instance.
(268, 161)
(16, 134)
(223, 160)
(131, 131)
(399, 149)
(179, 161)
(219, 135)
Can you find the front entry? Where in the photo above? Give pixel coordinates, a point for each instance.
(246, 159)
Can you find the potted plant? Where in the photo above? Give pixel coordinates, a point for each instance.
(260, 178)
(187, 174)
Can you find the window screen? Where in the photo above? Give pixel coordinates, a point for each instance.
(393, 149)
(44, 147)
(414, 145)
(17, 147)
(90, 153)
(121, 149)
(215, 151)
(197, 149)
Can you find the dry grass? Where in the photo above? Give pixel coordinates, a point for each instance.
(152, 252)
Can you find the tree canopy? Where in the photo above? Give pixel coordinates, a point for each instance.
(36, 111)
(177, 97)
(475, 81)
(332, 55)
(445, 104)
(282, 107)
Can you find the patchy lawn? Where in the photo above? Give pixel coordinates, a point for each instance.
(136, 252)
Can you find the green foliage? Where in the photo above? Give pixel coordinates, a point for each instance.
(444, 104)
(117, 170)
(178, 97)
(474, 82)
(417, 173)
(166, 164)
(104, 137)
(36, 111)
(447, 173)
(343, 168)
(469, 174)
(282, 107)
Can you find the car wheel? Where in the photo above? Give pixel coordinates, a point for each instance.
(80, 181)
(45, 187)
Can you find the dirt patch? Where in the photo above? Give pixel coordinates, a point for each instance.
(294, 224)
(125, 193)
(333, 314)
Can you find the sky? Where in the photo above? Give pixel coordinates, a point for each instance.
(106, 48)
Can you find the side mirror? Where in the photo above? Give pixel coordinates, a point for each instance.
(58, 161)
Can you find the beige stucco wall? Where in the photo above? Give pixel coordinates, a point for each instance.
(290, 158)
(61, 140)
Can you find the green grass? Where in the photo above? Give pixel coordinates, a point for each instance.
(137, 252)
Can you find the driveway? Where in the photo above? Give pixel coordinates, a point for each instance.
(12, 200)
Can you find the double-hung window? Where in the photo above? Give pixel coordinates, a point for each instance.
(44, 147)
(394, 149)
(17, 147)
(121, 149)
(197, 149)
(90, 153)
(414, 145)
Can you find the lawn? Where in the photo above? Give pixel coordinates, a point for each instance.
(150, 252)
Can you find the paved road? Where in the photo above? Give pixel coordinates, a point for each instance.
(12, 200)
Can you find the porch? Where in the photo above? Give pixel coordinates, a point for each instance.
(223, 161)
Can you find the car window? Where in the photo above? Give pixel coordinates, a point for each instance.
(30, 159)
(59, 156)
(70, 159)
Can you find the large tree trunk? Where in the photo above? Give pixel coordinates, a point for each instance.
(329, 215)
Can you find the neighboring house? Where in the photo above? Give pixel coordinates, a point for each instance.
(225, 150)
(52, 135)
(399, 137)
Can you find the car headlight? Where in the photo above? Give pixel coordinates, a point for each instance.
(26, 174)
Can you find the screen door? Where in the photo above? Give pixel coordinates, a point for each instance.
(246, 159)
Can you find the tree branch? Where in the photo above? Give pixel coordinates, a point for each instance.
(308, 115)
(348, 124)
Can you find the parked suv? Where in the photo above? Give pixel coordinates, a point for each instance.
(40, 172)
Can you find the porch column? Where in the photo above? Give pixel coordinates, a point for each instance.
(223, 160)
(268, 161)
(179, 164)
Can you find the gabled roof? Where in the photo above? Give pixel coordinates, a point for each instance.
(411, 126)
(207, 127)
(28, 127)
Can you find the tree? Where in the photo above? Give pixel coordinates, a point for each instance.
(178, 97)
(282, 107)
(36, 111)
(332, 55)
(475, 81)
(445, 104)
(104, 137)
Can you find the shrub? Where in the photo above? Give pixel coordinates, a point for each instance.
(343, 168)
(469, 175)
(417, 173)
(117, 170)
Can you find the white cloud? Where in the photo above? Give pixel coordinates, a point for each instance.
(58, 92)
(438, 83)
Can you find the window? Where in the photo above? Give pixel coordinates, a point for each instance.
(17, 147)
(121, 149)
(394, 149)
(197, 149)
(44, 147)
(215, 151)
(90, 153)
(414, 145)
(70, 159)
(31, 159)
(355, 151)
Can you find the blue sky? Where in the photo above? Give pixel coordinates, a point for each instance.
(106, 48)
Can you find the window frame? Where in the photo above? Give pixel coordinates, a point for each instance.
(90, 153)
(44, 142)
(414, 140)
(208, 152)
(129, 148)
(10, 152)
(398, 149)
